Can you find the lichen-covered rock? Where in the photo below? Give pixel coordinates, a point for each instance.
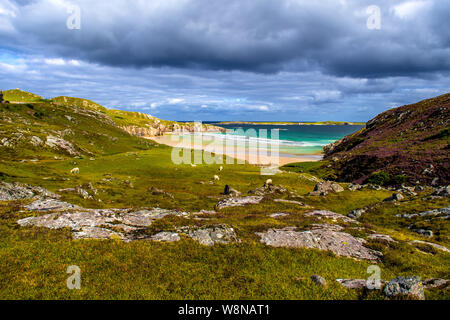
(323, 188)
(395, 197)
(381, 237)
(50, 205)
(410, 287)
(325, 214)
(442, 191)
(59, 143)
(354, 214)
(431, 244)
(19, 191)
(278, 215)
(341, 243)
(237, 202)
(166, 237)
(209, 236)
(95, 223)
(268, 188)
(435, 283)
(359, 284)
(319, 280)
(291, 202)
(442, 212)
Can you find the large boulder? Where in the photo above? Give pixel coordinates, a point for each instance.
(341, 243)
(238, 202)
(209, 236)
(323, 188)
(405, 287)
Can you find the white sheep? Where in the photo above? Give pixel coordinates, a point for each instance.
(268, 182)
(216, 178)
(75, 171)
(220, 168)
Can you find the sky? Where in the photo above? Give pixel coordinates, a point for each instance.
(258, 60)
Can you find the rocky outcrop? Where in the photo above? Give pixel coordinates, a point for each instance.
(211, 235)
(50, 205)
(431, 244)
(19, 191)
(95, 223)
(325, 214)
(442, 213)
(442, 191)
(394, 197)
(409, 287)
(238, 202)
(340, 243)
(323, 188)
(61, 144)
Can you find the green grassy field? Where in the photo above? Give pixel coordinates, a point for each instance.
(123, 168)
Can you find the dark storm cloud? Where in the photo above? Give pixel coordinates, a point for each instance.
(259, 36)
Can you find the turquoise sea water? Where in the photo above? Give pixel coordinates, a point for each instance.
(293, 139)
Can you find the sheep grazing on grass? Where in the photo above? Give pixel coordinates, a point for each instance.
(220, 168)
(268, 182)
(75, 171)
(216, 178)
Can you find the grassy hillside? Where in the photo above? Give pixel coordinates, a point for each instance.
(123, 170)
(411, 141)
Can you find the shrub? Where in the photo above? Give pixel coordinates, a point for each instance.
(398, 180)
(380, 178)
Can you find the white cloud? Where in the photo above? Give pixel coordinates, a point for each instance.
(175, 100)
(55, 62)
(410, 9)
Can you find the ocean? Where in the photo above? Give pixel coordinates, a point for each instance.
(293, 139)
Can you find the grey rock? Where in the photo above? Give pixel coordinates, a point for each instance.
(436, 213)
(290, 202)
(395, 197)
(442, 191)
(382, 237)
(211, 235)
(435, 283)
(238, 202)
(95, 223)
(354, 187)
(323, 188)
(342, 244)
(410, 287)
(431, 244)
(325, 214)
(279, 215)
(320, 281)
(35, 141)
(423, 232)
(355, 214)
(326, 226)
(50, 205)
(59, 143)
(157, 192)
(228, 191)
(166, 237)
(268, 188)
(19, 191)
(359, 284)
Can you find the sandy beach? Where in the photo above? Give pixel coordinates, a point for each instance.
(238, 152)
